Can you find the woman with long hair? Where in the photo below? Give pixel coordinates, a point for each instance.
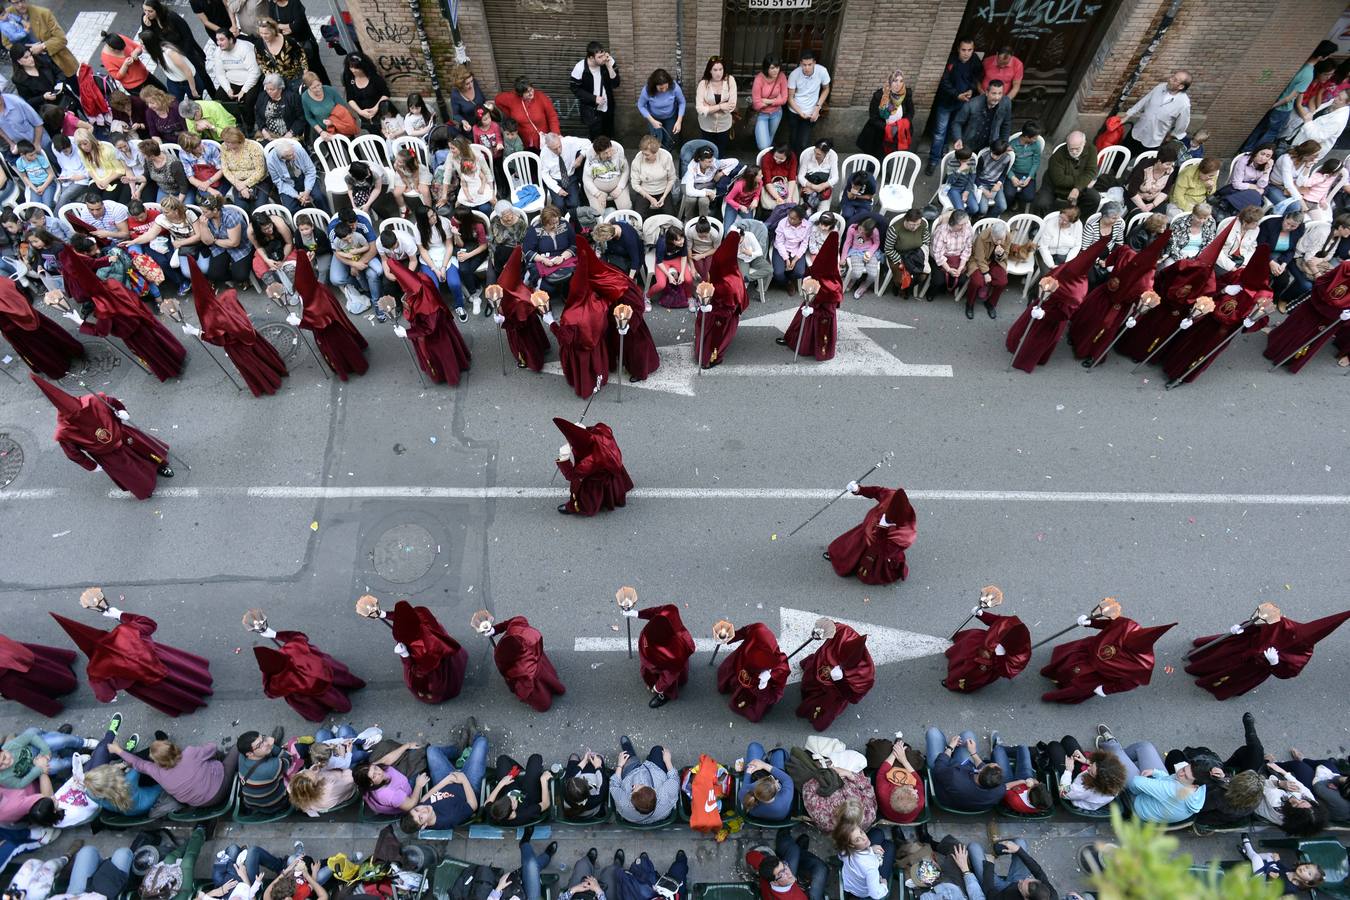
(170, 28)
(365, 89)
(715, 101)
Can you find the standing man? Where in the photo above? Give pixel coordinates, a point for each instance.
(664, 648)
(521, 659)
(18, 122)
(959, 82)
(1004, 67)
(1163, 112)
(982, 120)
(532, 111)
(593, 81)
(808, 89)
(1271, 126)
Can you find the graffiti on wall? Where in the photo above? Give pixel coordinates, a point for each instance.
(383, 30)
(399, 68)
(1036, 18)
(395, 66)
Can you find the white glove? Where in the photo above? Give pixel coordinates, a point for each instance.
(189, 328)
(1248, 323)
(764, 679)
(853, 487)
(707, 308)
(1037, 313)
(1084, 621)
(1099, 691)
(1345, 315)
(693, 305)
(400, 331)
(1236, 629)
(499, 318)
(97, 467)
(1185, 323)
(1232, 289)
(565, 452)
(1272, 656)
(836, 674)
(401, 649)
(73, 316)
(548, 317)
(977, 610)
(112, 612)
(884, 523)
(124, 415)
(806, 312)
(1131, 322)
(293, 320)
(1000, 650)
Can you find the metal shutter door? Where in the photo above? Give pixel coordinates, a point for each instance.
(543, 40)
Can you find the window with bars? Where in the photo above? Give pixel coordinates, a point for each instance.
(753, 29)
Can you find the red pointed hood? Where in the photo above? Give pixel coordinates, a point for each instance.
(515, 295)
(725, 273)
(899, 511)
(297, 668)
(1139, 271)
(758, 649)
(580, 286)
(66, 404)
(1188, 279)
(665, 636)
(1309, 633)
(421, 299)
(111, 300)
(846, 647)
(321, 308)
(825, 267)
(608, 282)
(15, 307)
(1256, 273)
(427, 641)
(86, 637)
(88, 423)
(1331, 292)
(1072, 274)
(578, 436)
(1141, 640)
(15, 657)
(222, 316)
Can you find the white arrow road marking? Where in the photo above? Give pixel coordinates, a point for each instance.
(886, 644)
(856, 354)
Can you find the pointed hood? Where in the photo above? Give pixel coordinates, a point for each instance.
(86, 637)
(899, 511)
(1256, 273)
(584, 310)
(580, 285)
(825, 267)
(1015, 637)
(664, 638)
(1309, 633)
(296, 668)
(427, 641)
(580, 439)
(15, 657)
(1330, 292)
(66, 404)
(15, 307)
(516, 303)
(846, 647)
(1138, 273)
(222, 316)
(608, 282)
(1209, 256)
(111, 300)
(1190, 278)
(1141, 640)
(759, 648)
(1072, 274)
(725, 273)
(421, 299)
(321, 308)
(86, 421)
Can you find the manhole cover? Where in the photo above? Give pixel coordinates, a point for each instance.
(99, 362)
(404, 553)
(11, 460)
(283, 337)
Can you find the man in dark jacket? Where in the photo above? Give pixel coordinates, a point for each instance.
(961, 780)
(1071, 172)
(960, 82)
(1025, 878)
(593, 81)
(982, 119)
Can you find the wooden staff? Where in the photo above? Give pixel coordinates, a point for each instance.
(1107, 609)
(822, 630)
(493, 294)
(1202, 306)
(1339, 321)
(1266, 614)
(1147, 302)
(623, 314)
(599, 380)
(389, 307)
(170, 307)
(810, 287)
(627, 597)
(702, 297)
(1248, 322)
(990, 596)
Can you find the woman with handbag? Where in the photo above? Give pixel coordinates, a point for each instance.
(550, 253)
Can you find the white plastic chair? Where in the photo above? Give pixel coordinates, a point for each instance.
(940, 195)
(78, 208)
(21, 209)
(1189, 164)
(419, 147)
(979, 227)
(1113, 161)
(397, 224)
(1023, 229)
(1145, 158)
(631, 216)
(895, 186)
(372, 149)
(759, 157)
(172, 148)
(316, 217)
(857, 161)
(761, 235)
(1135, 220)
(276, 209)
(840, 225)
(333, 152)
(522, 168)
(652, 229)
(714, 223)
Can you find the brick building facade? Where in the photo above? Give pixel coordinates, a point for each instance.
(1085, 52)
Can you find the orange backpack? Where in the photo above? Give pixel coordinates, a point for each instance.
(708, 782)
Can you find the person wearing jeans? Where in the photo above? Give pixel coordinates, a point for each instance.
(1023, 868)
(453, 796)
(810, 870)
(774, 764)
(17, 755)
(86, 863)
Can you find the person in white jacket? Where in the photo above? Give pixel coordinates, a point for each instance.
(604, 175)
(700, 181)
(818, 174)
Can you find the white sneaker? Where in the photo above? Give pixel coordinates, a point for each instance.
(862, 289)
(477, 299)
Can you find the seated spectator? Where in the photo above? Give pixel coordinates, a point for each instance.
(72, 178)
(991, 172)
(779, 170)
(1322, 188)
(1287, 176)
(164, 172)
(1241, 242)
(862, 256)
(202, 166)
(987, 268)
(119, 790)
(171, 232)
(961, 780)
(743, 197)
(521, 793)
(941, 870)
(818, 174)
(1110, 220)
(1325, 126)
(766, 789)
(1148, 185)
(1194, 184)
(245, 167)
(953, 240)
(312, 241)
(1229, 801)
(1290, 804)
(561, 160)
(1323, 778)
(1023, 792)
(673, 278)
(228, 254)
(35, 171)
(352, 238)
(300, 880)
(604, 175)
(703, 243)
(585, 787)
(206, 118)
(1144, 231)
(1025, 878)
(233, 66)
(471, 253)
(1019, 189)
(868, 859)
(835, 789)
(899, 786)
(1191, 234)
(412, 185)
(477, 187)
(100, 161)
(453, 797)
(368, 192)
(324, 110)
(619, 244)
(644, 792)
(1088, 781)
(1155, 796)
(859, 194)
(274, 253)
(906, 249)
(1071, 172)
(92, 874)
(507, 231)
(959, 181)
(1297, 879)
(791, 872)
(700, 182)
(128, 113)
(549, 253)
(294, 177)
(750, 256)
(278, 112)
(1060, 238)
(790, 243)
(652, 178)
(1248, 177)
(198, 775)
(315, 791)
(1282, 236)
(394, 780)
(33, 751)
(263, 766)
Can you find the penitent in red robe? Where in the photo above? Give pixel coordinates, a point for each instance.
(819, 330)
(664, 648)
(91, 434)
(1238, 664)
(1330, 297)
(225, 324)
(340, 344)
(823, 698)
(973, 660)
(1096, 323)
(35, 675)
(738, 675)
(310, 681)
(1179, 285)
(1231, 306)
(173, 681)
(873, 552)
(729, 301)
(434, 667)
(1045, 333)
(440, 349)
(120, 313)
(596, 472)
(580, 331)
(614, 287)
(1117, 660)
(525, 333)
(521, 659)
(43, 345)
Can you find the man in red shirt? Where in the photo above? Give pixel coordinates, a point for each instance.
(1004, 67)
(795, 873)
(532, 109)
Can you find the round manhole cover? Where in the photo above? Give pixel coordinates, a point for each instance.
(11, 460)
(404, 553)
(99, 362)
(283, 337)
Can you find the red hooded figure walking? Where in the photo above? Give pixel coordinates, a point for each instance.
(1237, 302)
(1330, 302)
(755, 673)
(1106, 308)
(1044, 322)
(1269, 645)
(94, 433)
(1179, 285)
(118, 312)
(875, 549)
(615, 288)
(721, 315)
(580, 331)
(593, 465)
(520, 657)
(225, 324)
(341, 345)
(1118, 659)
(816, 320)
(980, 656)
(433, 661)
(440, 349)
(43, 345)
(518, 316)
(664, 649)
(311, 682)
(840, 672)
(35, 675)
(173, 681)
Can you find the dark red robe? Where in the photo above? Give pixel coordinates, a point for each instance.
(874, 553)
(434, 667)
(310, 681)
(92, 436)
(440, 349)
(738, 675)
(1238, 664)
(1330, 296)
(35, 675)
(173, 681)
(596, 471)
(225, 324)
(1179, 286)
(1095, 324)
(1119, 659)
(664, 648)
(120, 313)
(1230, 309)
(525, 333)
(819, 330)
(580, 330)
(823, 698)
(973, 661)
(1060, 306)
(43, 345)
(613, 286)
(729, 301)
(521, 659)
(340, 344)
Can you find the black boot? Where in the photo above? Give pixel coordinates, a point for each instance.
(970, 309)
(658, 701)
(562, 508)
(991, 309)
(165, 471)
(551, 849)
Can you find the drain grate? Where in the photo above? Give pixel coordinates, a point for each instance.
(11, 460)
(283, 337)
(404, 553)
(99, 362)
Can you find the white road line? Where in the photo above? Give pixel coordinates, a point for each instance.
(412, 492)
(620, 644)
